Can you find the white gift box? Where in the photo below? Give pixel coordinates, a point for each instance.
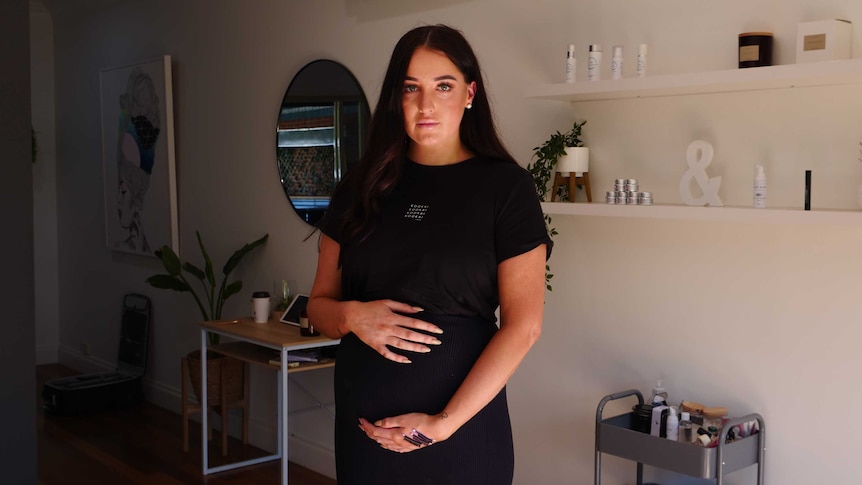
(823, 40)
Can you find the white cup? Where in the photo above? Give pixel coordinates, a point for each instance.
(260, 306)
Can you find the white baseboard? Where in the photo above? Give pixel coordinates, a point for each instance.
(301, 450)
(163, 396)
(312, 456)
(85, 364)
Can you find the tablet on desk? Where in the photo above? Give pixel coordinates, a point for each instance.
(297, 305)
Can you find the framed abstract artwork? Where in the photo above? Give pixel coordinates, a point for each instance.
(139, 173)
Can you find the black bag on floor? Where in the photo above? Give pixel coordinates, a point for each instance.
(99, 391)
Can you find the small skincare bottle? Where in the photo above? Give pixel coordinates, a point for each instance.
(686, 428)
(617, 63)
(759, 187)
(672, 426)
(594, 66)
(571, 64)
(642, 54)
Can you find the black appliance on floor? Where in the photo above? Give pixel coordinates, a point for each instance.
(99, 391)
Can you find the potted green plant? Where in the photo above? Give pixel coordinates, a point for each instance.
(220, 369)
(548, 153)
(546, 156)
(175, 280)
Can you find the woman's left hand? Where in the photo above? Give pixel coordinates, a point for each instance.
(405, 433)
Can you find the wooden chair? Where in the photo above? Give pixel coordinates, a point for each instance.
(572, 181)
(220, 395)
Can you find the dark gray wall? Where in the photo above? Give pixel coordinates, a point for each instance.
(17, 343)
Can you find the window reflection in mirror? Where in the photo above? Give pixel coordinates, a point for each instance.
(321, 128)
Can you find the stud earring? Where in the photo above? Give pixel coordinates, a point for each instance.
(469, 105)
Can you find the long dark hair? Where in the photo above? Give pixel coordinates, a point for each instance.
(378, 170)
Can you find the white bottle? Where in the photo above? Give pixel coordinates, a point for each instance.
(642, 54)
(594, 66)
(656, 424)
(617, 63)
(659, 394)
(571, 64)
(759, 187)
(672, 426)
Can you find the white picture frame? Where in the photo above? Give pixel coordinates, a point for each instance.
(138, 164)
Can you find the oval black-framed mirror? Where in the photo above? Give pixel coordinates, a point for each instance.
(319, 134)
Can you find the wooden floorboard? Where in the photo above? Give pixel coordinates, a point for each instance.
(141, 445)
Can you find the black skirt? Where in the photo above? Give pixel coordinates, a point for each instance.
(369, 386)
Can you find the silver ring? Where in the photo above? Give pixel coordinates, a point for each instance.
(410, 440)
(417, 438)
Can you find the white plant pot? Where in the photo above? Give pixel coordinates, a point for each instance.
(576, 159)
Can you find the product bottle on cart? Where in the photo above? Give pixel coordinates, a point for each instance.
(659, 394)
(686, 428)
(672, 426)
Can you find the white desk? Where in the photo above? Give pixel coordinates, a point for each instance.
(254, 344)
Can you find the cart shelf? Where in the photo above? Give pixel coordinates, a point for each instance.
(614, 436)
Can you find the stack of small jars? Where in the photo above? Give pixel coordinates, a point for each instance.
(626, 193)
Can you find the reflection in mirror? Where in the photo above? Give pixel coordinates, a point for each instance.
(321, 128)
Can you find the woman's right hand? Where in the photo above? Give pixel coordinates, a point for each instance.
(377, 323)
(382, 324)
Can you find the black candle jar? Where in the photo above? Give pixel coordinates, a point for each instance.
(642, 418)
(755, 49)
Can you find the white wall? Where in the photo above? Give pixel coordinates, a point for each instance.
(757, 317)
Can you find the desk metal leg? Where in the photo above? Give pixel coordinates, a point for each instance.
(204, 404)
(282, 414)
(283, 410)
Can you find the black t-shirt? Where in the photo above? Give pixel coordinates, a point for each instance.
(439, 236)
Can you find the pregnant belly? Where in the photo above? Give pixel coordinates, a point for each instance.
(370, 386)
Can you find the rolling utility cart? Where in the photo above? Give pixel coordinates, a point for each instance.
(615, 437)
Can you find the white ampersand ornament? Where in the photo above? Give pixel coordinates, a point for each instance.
(699, 156)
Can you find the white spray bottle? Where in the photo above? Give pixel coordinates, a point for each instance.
(759, 187)
(672, 425)
(571, 64)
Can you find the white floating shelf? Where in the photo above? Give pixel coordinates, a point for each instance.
(834, 217)
(827, 73)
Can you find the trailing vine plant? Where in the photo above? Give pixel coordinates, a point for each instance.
(542, 170)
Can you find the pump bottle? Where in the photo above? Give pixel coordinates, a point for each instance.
(642, 59)
(617, 63)
(759, 187)
(571, 64)
(594, 63)
(659, 394)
